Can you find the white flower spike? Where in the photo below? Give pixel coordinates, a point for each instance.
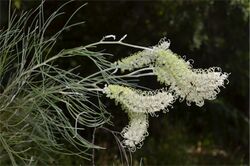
(133, 100)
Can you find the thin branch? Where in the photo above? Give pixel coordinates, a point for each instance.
(119, 42)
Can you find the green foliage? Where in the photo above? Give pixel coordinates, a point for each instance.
(35, 94)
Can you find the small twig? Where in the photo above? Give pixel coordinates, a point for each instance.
(121, 149)
(123, 38)
(108, 36)
(93, 150)
(116, 69)
(77, 117)
(95, 89)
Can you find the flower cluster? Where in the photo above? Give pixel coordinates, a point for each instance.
(194, 85)
(138, 104)
(183, 82)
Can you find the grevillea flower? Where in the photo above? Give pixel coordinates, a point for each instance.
(138, 104)
(136, 131)
(139, 101)
(194, 85)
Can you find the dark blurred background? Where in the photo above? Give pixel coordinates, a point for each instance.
(211, 32)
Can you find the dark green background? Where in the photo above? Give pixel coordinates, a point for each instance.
(212, 33)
